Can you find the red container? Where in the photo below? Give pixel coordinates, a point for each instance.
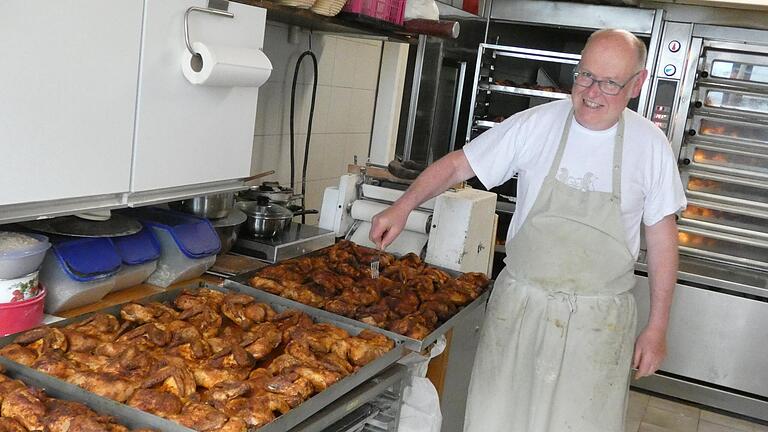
(471, 6)
(19, 316)
(386, 10)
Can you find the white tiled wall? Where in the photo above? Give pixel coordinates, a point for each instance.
(348, 70)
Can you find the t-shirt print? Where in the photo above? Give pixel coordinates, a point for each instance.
(584, 184)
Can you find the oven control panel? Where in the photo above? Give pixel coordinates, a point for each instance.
(674, 47)
(666, 91)
(669, 70)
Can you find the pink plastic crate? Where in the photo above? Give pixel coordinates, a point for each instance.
(385, 10)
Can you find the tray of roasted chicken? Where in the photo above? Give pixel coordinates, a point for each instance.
(205, 359)
(30, 403)
(410, 301)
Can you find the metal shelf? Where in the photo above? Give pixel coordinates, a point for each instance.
(524, 91)
(485, 124)
(354, 24)
(487, 56)
(307, 19)
(533, 54)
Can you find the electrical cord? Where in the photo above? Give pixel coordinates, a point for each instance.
(309, 125)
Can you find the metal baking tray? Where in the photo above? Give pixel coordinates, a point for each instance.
(389, 384)
(240, 282)
(123, 414)
(121, 411)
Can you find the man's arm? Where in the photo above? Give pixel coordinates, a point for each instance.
(436, 179)
(651, 345)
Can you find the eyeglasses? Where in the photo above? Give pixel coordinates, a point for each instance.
(609, 87)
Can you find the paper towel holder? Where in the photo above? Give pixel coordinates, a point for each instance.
(213, 9)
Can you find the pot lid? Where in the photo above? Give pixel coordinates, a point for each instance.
(117, 225)
(264, 211)
(235, 217)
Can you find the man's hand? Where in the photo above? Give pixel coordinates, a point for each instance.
(387, 225)
(650, 351)
(651, 345)
(448, 170)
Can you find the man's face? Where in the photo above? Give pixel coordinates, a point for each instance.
(606, 58)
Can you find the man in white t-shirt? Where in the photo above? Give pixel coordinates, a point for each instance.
(559, 334)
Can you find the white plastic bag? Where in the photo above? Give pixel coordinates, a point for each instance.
(420, 410)
(424, 9)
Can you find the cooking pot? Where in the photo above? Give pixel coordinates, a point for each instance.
(227, 228)
(275, 193)
(265, 219)
(213, 206)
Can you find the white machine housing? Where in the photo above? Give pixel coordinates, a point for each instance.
(459, 234)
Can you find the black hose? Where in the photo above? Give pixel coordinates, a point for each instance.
(309, 126)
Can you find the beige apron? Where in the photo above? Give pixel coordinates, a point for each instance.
(556, 345)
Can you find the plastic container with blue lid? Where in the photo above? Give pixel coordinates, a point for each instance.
(139, 253)
(188, 244)
(78, 271)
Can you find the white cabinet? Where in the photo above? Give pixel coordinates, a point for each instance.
(188, 134)
(67, 91)
(95, 111)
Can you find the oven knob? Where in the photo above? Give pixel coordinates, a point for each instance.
(686, 161)
(691, 132)
(697, 104)
(674, 46)
(704, 74)
(670, 70)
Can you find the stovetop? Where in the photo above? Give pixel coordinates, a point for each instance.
(298, 239)
(294, 232)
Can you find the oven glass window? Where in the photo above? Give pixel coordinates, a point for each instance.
(736, 101)
(732, 130)
(722, 217)
(731, 158)
(739, 71)
(728, 248)
(728, 190)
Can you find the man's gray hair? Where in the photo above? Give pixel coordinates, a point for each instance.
(640, 50)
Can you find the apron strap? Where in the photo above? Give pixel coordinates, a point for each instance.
(617, 154)
(561, 146)
(618, 149)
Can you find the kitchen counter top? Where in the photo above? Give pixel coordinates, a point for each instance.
(136, 292)
(225, 264)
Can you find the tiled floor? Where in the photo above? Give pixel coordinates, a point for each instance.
(652, 414)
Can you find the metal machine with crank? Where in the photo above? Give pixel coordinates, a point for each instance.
(454, 230)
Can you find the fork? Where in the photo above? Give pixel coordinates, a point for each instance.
(375, 264)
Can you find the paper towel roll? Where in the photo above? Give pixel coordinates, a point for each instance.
(226, 66)
(365, 210)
